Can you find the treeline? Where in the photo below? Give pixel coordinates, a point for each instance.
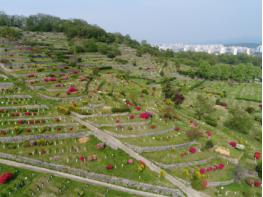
(196, 58)
(240, 72)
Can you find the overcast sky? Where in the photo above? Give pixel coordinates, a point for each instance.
(158, 21)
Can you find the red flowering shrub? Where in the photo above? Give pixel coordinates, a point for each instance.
(71, 89)
(145, 115)
(257, 155)
(5, 177)
(233, 144)
(257, 184)
(202, 170)
(138, 108)
(221, 166)
(109, 167)
(27, 113)
(192, 150)
(81, 158)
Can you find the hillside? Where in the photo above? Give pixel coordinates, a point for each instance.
(104, 107)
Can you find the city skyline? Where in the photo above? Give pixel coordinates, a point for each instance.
(158, 21)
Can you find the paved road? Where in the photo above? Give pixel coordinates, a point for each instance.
(115, 144)
(78, 178)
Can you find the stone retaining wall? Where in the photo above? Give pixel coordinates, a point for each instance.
(184, 164)
(17, 139)
(159, 148)
(142, 134)
(220, 183)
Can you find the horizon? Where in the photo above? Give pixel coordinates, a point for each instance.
(228, 22)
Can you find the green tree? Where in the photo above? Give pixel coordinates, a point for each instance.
(239, 120)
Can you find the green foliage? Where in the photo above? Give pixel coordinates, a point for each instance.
(120, 110)
(10, 33)
(203, 107)
(239, 120)
(259, 169)
(209, 144)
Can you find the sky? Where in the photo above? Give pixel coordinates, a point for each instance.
(158, 21)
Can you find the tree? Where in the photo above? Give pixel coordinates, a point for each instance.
(203, 107)
(239, 120)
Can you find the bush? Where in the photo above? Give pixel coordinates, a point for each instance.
(120, 110)
(194, 134)
(211, 121)
(239, 120)
(209, 144)
(259, 169)
(250, 110)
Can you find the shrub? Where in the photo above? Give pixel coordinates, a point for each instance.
(120, 110)
(209, 144)
(259, 169)
(194, 134)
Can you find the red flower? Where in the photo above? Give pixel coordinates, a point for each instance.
(138, 108)
(257, 183)
(202, 170)
(109, 167)
(209, 133)
(221, 166)
(233, 144)
(81, 158)
(145, 115)
(27, 113)
(71, 89)
(192, 150)
(257, 155)
(5, 177)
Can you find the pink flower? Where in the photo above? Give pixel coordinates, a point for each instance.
(130, 161)
(209, 133)
(192, 150)
(202, 170)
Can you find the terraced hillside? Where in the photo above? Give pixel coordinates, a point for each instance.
(112, 123)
